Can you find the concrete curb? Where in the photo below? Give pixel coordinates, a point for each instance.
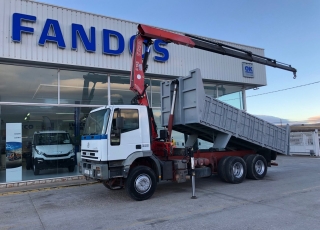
(40, 181)
(43, 185)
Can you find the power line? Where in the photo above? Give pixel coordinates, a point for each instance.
(285, 89)
(276, 90)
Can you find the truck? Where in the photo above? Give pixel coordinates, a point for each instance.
(51, 149)
(120, 146)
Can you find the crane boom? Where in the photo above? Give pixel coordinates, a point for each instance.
(147, 33)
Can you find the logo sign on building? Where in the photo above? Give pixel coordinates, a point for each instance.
(247, 69)
(53, 33)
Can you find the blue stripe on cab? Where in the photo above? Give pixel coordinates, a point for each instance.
(94, 137)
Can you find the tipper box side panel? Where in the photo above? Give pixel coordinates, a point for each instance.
(166, 99)
(193, 108)
(191, 98)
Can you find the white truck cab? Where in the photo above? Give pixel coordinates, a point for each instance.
(111, 135)
(52, 149)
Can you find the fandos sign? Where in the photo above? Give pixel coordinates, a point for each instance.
(52, 32)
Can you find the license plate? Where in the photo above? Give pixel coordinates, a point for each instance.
(87, 171)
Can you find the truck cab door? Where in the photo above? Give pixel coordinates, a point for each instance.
(127, 139)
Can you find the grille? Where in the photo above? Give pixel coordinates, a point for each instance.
(57, 155)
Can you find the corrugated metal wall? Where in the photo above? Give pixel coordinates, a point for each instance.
(182, 59)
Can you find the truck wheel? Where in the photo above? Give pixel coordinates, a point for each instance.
(141, 183)
(235, 170)
(257, 167)
(36, 170)
(71, 168)
(246, 157)
(221, 168)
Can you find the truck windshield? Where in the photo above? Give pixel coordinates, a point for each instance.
(51, 139)
(96, 122)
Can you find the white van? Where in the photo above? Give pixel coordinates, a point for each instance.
(51, 149)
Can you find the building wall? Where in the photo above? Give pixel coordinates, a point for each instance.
(181, 59)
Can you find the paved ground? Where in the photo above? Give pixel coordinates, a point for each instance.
(288, 198)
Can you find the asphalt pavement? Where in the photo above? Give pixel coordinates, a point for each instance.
(287, 198)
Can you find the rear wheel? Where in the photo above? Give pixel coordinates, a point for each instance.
(221, 168)
(236, 170)
(141, 183)
(257, 167)
(246, 157)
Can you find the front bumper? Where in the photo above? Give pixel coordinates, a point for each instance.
(50, 164)
(94, 171)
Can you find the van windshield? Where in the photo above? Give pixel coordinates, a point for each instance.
(96, 122)
(51, 138)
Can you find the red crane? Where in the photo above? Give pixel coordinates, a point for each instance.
(139, 64)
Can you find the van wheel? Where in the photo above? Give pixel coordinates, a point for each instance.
(257, 167)
(71, 168)
(141, 183)
(236, 170)
(28, 163)
(36, 170)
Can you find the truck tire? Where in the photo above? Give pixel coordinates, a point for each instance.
(141, 183)
(36, 170)
(235, 170)
(246, 157)
(71, 168)
(221, 168)
(256, 167)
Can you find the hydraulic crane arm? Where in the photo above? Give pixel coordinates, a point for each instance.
(147, 33)
(231, 51)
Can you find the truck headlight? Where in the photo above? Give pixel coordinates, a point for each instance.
(39, 152)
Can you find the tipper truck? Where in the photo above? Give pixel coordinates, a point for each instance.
(120, 146)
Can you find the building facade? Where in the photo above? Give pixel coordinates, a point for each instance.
(57, 64)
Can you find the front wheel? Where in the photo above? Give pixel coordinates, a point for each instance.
(71, 168)
(36, 170)
(28, 163)
(141, 183)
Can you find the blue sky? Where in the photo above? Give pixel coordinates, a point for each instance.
(288, 30)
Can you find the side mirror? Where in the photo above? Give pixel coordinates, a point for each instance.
(119, 123)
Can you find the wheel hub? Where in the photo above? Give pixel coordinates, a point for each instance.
(238, 170)
(259, 167)
(142, 183)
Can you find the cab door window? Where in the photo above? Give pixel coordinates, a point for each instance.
(130, 123)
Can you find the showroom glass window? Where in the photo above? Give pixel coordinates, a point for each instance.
(120, 90)
(77, 87)
(28, 84)
(55, 123)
